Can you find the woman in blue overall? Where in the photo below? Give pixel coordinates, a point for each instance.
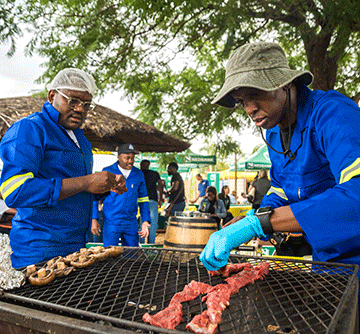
(314, 146)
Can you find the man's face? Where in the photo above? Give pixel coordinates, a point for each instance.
(170, 170)
(199, 178)
(126, 160)
(70, 119)
(266, 109)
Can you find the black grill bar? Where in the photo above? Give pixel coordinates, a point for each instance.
(299, 295)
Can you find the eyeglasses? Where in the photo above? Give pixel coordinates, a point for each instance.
(73, 102)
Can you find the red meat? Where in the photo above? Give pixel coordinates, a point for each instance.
(201, 324)
(169, 317)
(190, 292)
(217, 298)
(230, 268)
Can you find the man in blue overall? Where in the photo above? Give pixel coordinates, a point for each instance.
(120, 211)
(314, 145)
(47, 173)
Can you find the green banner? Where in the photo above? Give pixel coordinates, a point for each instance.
(214, 179)
(200, 159)
(185, 163)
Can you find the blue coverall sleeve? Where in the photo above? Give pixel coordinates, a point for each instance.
(331, 219)
(22, 185)
(275, 197)
(95, 210)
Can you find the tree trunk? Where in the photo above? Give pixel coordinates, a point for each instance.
(321, 64)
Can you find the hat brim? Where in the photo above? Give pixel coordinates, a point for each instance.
(266, 80)
(129, 151)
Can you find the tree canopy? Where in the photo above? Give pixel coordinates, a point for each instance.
(169, 56)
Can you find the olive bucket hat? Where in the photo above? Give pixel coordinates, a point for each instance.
(258, 65)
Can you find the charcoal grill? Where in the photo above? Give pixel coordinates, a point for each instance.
(297, 296)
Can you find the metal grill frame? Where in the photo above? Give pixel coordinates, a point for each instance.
(278, 300)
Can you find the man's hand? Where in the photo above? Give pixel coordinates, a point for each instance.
(144, 229)
(120, 186)
(217, 251)
(104, 181)
(97, 183)
(95, 227)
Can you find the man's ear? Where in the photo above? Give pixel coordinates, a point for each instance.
(51, 96)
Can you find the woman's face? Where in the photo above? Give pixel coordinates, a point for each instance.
(210, 196)
(227, 191)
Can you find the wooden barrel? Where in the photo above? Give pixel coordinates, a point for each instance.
(189, 233)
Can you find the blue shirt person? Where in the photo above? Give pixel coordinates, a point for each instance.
(120, 211)
(202, 186)
(47, 173)
(314, 146)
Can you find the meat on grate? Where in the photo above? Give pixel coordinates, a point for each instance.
(171, 316)
(217, 299)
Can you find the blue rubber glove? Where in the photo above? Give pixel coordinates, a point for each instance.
(250, 212)
(216, 253)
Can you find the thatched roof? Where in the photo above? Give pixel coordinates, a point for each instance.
(104, 128)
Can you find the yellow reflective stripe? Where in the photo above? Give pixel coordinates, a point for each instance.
(277, 191)
(13, 183)
(143, 199)
(351, 171)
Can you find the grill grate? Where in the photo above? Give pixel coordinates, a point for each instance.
(302, 296)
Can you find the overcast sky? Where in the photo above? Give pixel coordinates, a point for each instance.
(18, 75)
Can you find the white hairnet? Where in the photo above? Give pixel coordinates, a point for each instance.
(73, 79)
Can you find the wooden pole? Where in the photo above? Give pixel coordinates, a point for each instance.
(236, 173)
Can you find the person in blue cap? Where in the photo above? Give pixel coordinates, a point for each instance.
(313, 139)
(47, 173)
(120, 211)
